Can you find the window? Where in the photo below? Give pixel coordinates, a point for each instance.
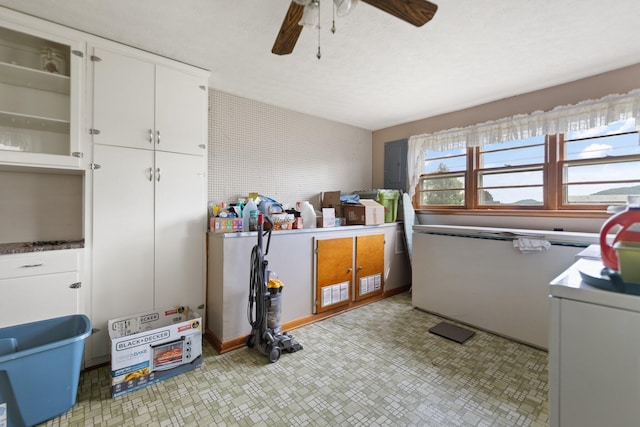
(577, 170)
(511, 174)
(601, 167)
(443, 182)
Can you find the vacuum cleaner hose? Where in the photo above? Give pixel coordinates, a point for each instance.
(255, 281)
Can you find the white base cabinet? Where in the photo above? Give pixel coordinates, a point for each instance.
(292, 257)
(38, 286)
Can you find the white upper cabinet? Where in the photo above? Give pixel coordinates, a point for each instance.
(123, 100)
(142, 104)
(41, 81)
(181, 111)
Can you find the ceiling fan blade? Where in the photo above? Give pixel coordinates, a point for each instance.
(289, 30)
(415, 12)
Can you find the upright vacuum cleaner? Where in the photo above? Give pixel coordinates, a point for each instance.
(265, 303)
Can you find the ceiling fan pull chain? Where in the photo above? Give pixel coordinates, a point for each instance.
(319, 55)
(333, 25)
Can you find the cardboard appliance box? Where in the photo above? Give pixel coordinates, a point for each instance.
(150, 347)
(368, 212)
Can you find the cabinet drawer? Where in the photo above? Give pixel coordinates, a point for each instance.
(21, 265)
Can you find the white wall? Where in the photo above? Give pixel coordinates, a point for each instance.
(283, 154)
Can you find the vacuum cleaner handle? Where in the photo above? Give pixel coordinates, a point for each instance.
(270, 221)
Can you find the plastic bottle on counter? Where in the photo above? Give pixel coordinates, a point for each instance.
(308, 215)
(246, 213)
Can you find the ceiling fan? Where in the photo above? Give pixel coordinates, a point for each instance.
(415, 12)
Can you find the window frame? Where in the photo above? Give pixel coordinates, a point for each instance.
(477, 171)
(552, 184)
(561, 162)
(448, 174)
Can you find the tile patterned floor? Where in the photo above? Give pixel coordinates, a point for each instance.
(373, 366)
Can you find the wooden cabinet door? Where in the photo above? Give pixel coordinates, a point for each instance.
(181, 221)
(123, 100)
(181, 112)
(123, 234)
(369, 266)
(334, 273)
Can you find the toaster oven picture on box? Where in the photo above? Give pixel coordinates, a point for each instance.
(171, 354)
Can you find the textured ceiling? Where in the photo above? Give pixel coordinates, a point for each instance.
(376, 71)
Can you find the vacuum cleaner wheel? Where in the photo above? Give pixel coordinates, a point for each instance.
(274, 354)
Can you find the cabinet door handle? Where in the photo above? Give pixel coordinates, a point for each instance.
(31, 265)
(150, 136)
(359, 268)
(157, 137)
(350, 270)
(150, 174)
(158, 174)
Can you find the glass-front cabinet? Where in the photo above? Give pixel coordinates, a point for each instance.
(40, 98)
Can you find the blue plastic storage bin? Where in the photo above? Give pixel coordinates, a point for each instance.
(40, 368)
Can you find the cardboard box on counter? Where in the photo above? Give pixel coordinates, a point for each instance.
(150, 347)
(328, 217)
(368, 212)
(225, 225)
(331, 199)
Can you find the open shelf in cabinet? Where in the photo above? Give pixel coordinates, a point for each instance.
(25, 121)
(36, 79)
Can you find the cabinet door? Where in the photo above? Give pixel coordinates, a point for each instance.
(32, 298)
(334, 273)
(369, 266)
(181, 112)
(41, 81)
(123, 100)
(122, 237)
(181, 221)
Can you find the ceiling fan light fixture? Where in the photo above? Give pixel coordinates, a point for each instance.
(344, 7)
(311, 15)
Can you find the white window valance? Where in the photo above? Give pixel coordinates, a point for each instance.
(584, 115)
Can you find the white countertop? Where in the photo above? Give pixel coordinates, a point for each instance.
(570, 285)
(344, 228)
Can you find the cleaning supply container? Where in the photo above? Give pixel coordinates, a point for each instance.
(389, 199)
(40, 366)
(628, 261)
(308, 214)
(628, 223)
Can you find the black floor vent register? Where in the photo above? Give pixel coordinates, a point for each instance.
(452, 332)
